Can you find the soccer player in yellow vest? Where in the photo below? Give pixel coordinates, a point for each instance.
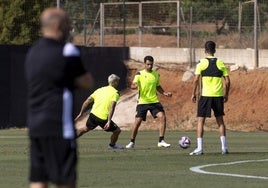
(147, 82)
(213, 73)
(104, 102)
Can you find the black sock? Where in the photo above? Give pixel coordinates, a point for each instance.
(132, 140)
(161, 138)
(112, 145)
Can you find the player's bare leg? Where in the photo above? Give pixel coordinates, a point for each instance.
(200, 127)
(199, 135)
(162, 129)
(115, 135)
(134, 132)
(114, 138)
(136, 128)
(162, 118)
(221, 125)
(38, 185)
(80, 130)
(222, 131)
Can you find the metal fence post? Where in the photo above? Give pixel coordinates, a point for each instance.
(124, 23)
(101, 24)
(256, 51)
(178, 24)
(85, 21)
(140, 24)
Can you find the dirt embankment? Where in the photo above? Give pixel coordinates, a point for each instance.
(246, 109)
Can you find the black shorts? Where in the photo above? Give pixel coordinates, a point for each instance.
(205, 104)
(93, 122)
(53, 159)
(154, 108)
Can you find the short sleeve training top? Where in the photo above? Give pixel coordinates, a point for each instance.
(103, 97)
(147, 84)
(50, 70)
(211, 71)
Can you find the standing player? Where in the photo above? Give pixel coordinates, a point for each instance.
(148, 83)
(212, 73)
(53, 69)
(104, 99)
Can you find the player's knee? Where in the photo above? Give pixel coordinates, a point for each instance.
(83, 129)
(117, 131)
(138, 122)
(161, 116)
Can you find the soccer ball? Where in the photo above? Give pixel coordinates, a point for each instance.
(185, 142)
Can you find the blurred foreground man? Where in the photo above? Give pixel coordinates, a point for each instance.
(53, 69)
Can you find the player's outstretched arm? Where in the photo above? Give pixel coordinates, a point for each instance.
(110, 115)
(227, 87)
(84, 107)
(161, 90)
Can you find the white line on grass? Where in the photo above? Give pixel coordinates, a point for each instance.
(198, 169)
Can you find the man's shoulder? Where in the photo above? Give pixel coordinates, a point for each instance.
(38, 44)
(206, 59)
(100, 89)
(146, 72)
(70, 50)
(106, 88)
(141, 72)
(112, 89)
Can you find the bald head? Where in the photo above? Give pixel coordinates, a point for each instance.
(55, 24)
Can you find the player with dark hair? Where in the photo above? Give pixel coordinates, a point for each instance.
(53, 69)
(104, 102)
(148, 83)
(212, 72)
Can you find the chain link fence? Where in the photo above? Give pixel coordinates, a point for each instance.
(168, 23)
(172, 23)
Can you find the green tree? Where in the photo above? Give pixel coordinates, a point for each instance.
(19, 20)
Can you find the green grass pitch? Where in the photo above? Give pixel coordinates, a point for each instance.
(146, 165)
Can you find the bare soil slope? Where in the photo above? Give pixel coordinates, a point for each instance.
(246, 109)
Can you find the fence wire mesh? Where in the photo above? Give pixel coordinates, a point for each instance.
(164, 24)
(143, 23)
